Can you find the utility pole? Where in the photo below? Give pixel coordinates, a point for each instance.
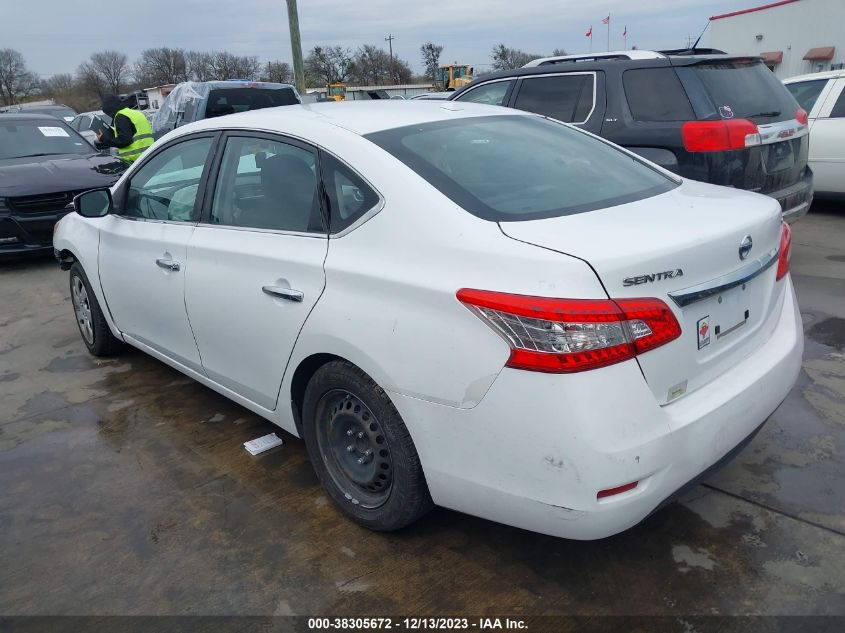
(389, 39)
(296, 48)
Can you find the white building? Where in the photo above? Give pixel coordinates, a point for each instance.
(795, 37)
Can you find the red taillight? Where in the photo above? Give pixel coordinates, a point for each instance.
(801, 116)
(785, 252)
(616, 491)
(719, 136)
(570, 335)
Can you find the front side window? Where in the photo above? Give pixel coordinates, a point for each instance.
(349, 196)
(514, 168)
(489, 94)
(806, 93)
(567, 98)
(165, 187)
(267, 184)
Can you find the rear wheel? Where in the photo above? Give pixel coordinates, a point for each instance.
(89, 317)
(361, 450)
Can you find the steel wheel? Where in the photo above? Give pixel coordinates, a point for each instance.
(82, 308)
(354, 448)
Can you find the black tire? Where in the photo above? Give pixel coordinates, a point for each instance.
(92, 324)
(386, 492)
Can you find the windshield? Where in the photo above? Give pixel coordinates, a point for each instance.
(223, 101)
(39, 137)
(739, 89)
(513, 168)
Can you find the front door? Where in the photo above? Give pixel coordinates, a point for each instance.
(256, 263)
(143, 249)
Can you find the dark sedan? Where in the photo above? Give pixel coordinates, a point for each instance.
(43, 164)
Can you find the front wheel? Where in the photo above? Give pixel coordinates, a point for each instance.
(361, 450)
(89, 317)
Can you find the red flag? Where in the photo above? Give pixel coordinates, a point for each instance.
(606, 20)
(625, 32)
(589, 32)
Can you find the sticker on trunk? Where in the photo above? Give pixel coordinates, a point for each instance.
(703, 328)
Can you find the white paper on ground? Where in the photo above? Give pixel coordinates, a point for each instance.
(53, 131)
(261, 444)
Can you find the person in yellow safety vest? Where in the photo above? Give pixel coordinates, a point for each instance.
(131, 133)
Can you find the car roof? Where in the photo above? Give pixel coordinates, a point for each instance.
(359, 117)
(22, 116)
(829, 74)
(596, 64)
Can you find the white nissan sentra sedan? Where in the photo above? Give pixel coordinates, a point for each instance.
(452, 304)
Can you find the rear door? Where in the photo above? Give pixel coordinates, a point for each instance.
(256, 263)
(575, 97)
(827, 146)
(143, 248)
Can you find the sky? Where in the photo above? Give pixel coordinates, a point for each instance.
(55, 36)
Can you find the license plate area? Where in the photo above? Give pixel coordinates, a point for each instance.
(722, 318)
(780, 157)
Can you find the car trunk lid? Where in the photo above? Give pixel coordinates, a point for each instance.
(681, 247)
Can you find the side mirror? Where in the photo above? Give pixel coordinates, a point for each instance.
(96, 203)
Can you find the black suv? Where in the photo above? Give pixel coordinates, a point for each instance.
(702, 114)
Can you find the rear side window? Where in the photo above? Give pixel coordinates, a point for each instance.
(740, 89)
(489, 94)
(567, 98)
(514, 168)
(349, 196)
(838, 111)
(232, 100)
(806, 93)
(656, 94)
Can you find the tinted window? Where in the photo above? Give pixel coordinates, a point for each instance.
(838, 111)
(165, 187)
(267, 184)
(739, 89)
(349, 196)
(806, 93)
(39, 137)
(567, 98)
(489, 94)
(232, 100)
(656, 94)
(506, 168)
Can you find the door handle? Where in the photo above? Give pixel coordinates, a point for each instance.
(167, 264)
(284, 293)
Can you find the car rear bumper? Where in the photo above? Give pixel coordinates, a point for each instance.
(24, 234)
(795, 201)
(537, 449)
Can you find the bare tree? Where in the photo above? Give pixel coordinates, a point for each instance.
(16, 82)
(225, 65)
(431, 59)
(105, 72)
(278, 72)
(158, 66)
(558, 52)
(325, 65)
(200, 66)
(64, 88)
(505, 58)
(371, 66)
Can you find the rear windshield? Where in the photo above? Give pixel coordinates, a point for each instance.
(738, 89)
(41, 137)
(223, 101)
(514, 168)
